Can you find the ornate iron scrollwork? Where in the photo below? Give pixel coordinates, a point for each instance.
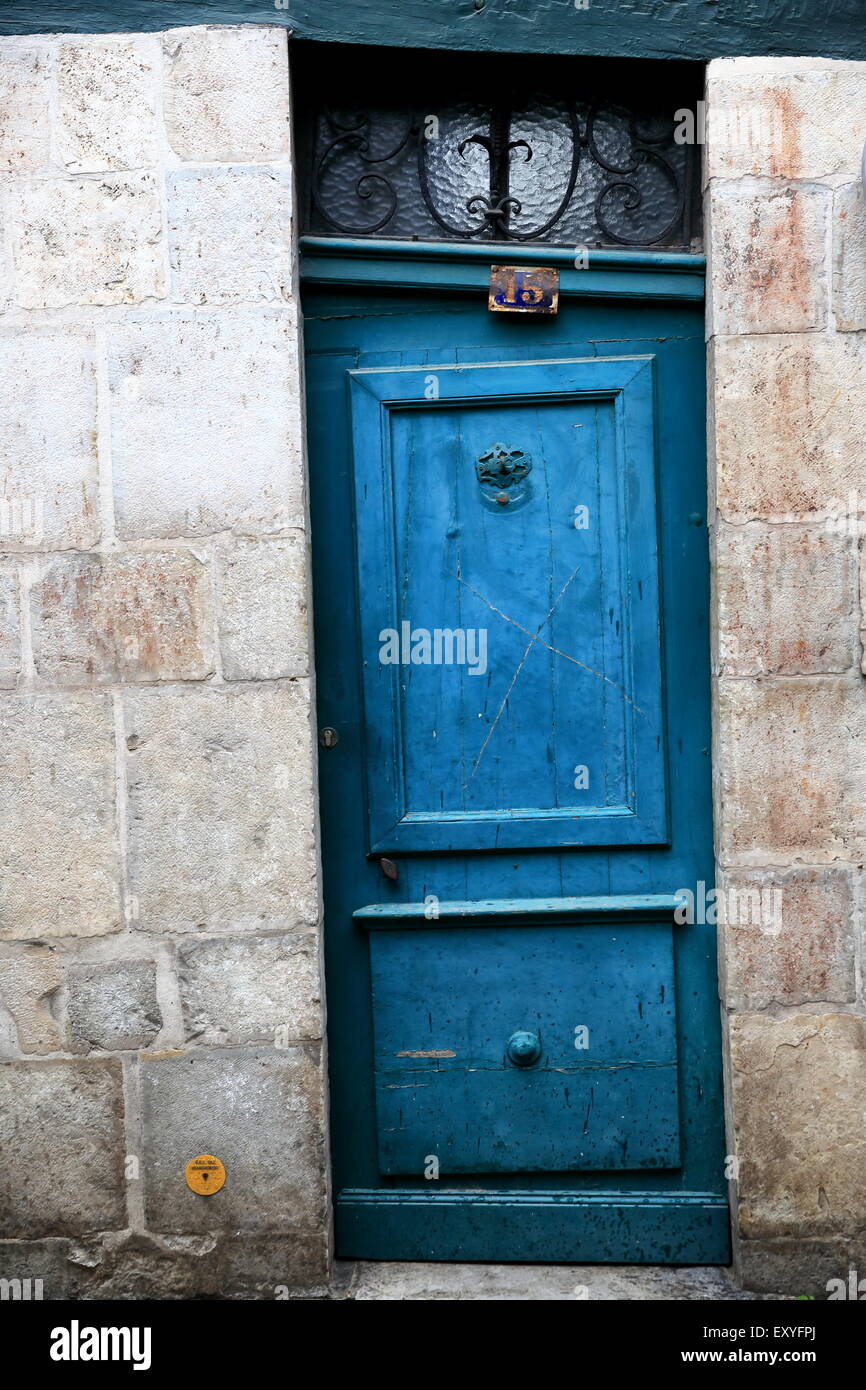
(600, 176)
(496, 206)
(644, 152)
(354, 139)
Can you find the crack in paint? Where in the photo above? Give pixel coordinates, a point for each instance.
(534, 638)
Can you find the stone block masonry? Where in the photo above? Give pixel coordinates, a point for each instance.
(160, 969)
(161, 986)
(786, 299)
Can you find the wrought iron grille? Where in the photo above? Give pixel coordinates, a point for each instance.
(558, 151)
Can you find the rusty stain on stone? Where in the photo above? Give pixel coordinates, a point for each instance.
(125, 617)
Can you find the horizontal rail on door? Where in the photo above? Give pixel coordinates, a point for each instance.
(384, 915)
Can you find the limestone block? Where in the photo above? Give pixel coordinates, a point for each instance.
(48, 440)
(785, 599)
(275, 1267)
(790, 788)
(43, 1262)
(797, 947)
(227, 93)
(130, 1265)
(794, 1266)
(849, 258)
(30, 979)
(107, 103)
(799, 1094)
(10, 633)
(146, 617)
(230, 234)
(206, 424)
(788, 430)
(237, 990)
(60, 862)
(24, 100)
(87, 241)
(785, 118)
(112, 1005)
(221, 808)
(263, 609)
(260, 1112)
(768, 258)
(61, 1135)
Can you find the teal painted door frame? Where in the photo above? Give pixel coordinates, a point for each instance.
(628, 28)
(550, 1155)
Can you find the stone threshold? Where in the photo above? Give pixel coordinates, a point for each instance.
(405, 1282)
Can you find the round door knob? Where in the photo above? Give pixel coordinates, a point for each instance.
(523, 1049)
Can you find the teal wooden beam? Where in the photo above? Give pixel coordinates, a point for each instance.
(698, 29)
(511, 253)
(420, 265)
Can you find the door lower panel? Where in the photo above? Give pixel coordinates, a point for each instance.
(593, 1005)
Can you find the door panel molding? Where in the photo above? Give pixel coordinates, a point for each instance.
(411, 457)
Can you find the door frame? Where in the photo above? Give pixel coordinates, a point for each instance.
(379, 264)
(372, 262)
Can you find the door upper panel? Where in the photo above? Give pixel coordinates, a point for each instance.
(511, 632)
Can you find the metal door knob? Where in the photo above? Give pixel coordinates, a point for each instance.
(523, 1049)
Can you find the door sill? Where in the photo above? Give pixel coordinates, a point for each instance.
(552, 1227)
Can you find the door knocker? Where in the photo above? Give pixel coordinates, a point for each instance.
(502, 474)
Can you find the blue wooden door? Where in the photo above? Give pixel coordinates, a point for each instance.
(512, 654)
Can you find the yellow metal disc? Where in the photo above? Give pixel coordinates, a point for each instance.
(205, 1174)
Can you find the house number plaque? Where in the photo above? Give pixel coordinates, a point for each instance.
(523, 289)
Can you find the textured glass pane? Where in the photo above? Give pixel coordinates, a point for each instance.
(573, 165)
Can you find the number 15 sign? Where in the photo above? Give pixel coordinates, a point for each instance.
(523, 289)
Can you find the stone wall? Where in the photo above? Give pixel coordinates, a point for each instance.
(160, 991)
(787, 330)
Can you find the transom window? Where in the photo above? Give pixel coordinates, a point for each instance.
(463, 147)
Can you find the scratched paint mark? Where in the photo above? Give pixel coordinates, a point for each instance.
(535, 638)
(440, 1052)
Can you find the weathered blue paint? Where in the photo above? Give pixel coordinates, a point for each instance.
(348, 261)
(569, 567)
(559, 931)
(537, 1223)
(514, 252)
(626, 28)
(445, 1006)
(648, 905)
